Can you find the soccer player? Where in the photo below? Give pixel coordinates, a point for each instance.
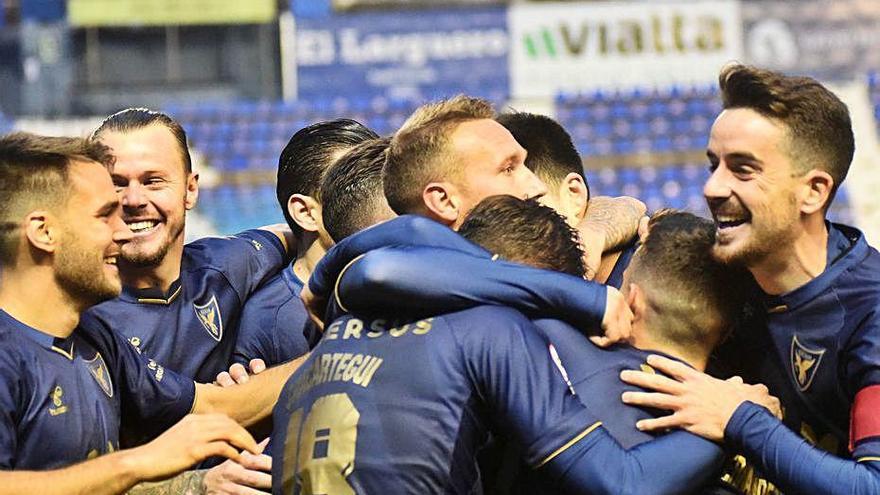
(352, 190)
(180, 305)
(373, 382)
(778, 152)
(275, 326)
(66, 384)
(553, 157)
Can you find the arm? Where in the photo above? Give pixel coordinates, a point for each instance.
(192, 440)
(408, 278)
(248, 402)
(610, 224)
(186, 483)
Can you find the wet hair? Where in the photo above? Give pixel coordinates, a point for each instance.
(526, 232)
(133, 119)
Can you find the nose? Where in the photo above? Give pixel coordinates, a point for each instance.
(717, 186)
(132, 195)
(121, 232)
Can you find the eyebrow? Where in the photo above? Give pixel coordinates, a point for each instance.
(738, 156)
(108, 208)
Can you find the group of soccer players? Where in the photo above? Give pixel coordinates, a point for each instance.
(446, 311)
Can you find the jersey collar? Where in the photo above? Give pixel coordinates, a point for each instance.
(846, 246)
(152, 295)
(292, 281)
(57, 344)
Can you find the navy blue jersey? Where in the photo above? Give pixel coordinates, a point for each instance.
(817, 348)
(275, 325)
(403, 407)
(62, 400)
(193, 327)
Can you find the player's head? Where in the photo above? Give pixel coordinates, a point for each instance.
(154, 179)
(451, 154)
(352, 197)
(60, 212)
(553, 157)
(680, 295)
(778, 152)
(525, 231)
(302, 164)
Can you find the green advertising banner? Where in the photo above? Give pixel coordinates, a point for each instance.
(96, 13)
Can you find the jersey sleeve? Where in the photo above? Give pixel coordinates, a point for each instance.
(791, 463)
(862, 371)
(153, 398)
(273, 334)
(403, 230)
(525, 389)
(10, 405)
(246, 259)
(434, 280)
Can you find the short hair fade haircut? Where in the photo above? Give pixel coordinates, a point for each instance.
(525, 231)
(419, 152)
(34, 173)
(351, 192)
(552, 154)
(817, 123)
(132, 119)
(308, 154)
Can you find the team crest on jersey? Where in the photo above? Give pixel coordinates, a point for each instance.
(209, 315)
(98, 369)
(804, 363)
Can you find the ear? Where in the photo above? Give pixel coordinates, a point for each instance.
(41, 232)
(442, 202)
(192, 191)
(305, 211)
(574, 196)
(635, 297)
(816, 191)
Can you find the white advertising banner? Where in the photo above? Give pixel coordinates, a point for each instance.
(574, 47)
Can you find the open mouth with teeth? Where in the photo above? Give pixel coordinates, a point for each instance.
(730, 223)
(142, 226)
(110, 260)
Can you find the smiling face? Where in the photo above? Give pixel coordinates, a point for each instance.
(154, 189)
(91, 236)
(752, 191)
(491, 162)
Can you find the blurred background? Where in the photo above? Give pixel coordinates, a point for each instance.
(634, 82)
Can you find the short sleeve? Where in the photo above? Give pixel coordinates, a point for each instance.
(273, 329)
(247, 259)
(522, 385)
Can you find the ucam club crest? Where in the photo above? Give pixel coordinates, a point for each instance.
(98, 368)
(209, 316)
(804, 363)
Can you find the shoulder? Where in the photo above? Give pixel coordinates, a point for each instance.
(220, 250)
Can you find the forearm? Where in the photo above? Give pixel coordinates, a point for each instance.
(675, 463)
(249, 402)
(186, 483)
(790, 462)
(614, 223)
(110, 474)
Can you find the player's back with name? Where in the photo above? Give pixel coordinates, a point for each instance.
(410, 403)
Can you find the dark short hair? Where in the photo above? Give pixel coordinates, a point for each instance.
(132, 119)
(695, 299)
(351, 192)
(525, 231)
(419, 152)
(552, 154)
(308, 154)
(34, 173)
(818, 124)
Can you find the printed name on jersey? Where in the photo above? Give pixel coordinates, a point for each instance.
(209, 316)
(58, 407)
(337, 367)
(804, 363)
(354, 328)
(98, 368)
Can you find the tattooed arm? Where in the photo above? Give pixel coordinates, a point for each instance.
(186, 483)
(609, 225)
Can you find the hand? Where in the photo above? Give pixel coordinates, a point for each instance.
(700, 404)
(250, 473)
(316, 306)
(193, 439)
(238, 375)
(617, 322)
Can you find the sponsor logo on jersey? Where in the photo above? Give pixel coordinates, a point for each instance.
(209, 316)
(98, 368)
(58, 406)
(804, 363)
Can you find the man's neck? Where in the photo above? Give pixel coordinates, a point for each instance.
(308, 253)
(34, 298)
(795, 264)
(159, 276)
(642, 340)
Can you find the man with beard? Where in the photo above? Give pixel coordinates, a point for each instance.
(180, 305)
(67, 384)
(778, 152)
